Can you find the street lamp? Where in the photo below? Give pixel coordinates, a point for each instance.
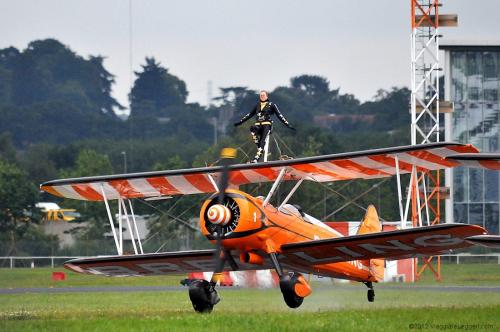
(124, 154)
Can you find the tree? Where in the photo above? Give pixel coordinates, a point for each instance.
(156, 91)
(7, 150)
(47, 70)
(312, 85)
(89, 163)
(17, 205)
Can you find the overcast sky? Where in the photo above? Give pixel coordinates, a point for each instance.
(359, 45)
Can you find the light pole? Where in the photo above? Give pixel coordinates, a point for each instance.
(214, 121)
(124, 154)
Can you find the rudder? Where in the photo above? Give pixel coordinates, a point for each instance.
(371, 224)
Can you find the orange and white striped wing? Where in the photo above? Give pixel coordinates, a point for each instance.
(368, 164)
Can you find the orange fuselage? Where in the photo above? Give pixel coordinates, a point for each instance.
(261, 230)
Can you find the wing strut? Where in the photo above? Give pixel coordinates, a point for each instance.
(132, 227)
(110, 217)
(294, 189)
(135, 226)
(275, 186)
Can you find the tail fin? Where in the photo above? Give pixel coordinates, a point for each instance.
(371, 224)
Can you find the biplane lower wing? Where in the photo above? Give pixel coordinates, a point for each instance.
(399, 244)
(153, 264)
(426, 241)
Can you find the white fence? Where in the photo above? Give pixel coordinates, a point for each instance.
(34, 261)
(53, 261)
(467, 257)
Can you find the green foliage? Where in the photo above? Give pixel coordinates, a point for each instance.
(89, 163)
(48, 70)
(156, 91)
(7, 150)
(17, 197)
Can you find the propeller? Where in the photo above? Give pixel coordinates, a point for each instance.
(220, 214)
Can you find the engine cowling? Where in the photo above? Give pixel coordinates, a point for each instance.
(238, 216)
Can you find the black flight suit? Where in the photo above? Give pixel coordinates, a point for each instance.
(263, 125)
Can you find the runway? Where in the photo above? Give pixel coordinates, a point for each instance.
(122, 289)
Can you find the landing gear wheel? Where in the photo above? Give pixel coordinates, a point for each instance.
(370, 295)
(287, 284)
(203, 295)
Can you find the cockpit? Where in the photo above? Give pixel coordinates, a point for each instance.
(296, 210)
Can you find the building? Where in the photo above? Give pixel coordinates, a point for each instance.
(472, 83)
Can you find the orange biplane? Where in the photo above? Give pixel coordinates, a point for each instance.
(250, 233)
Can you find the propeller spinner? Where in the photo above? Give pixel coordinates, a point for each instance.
(219, 214)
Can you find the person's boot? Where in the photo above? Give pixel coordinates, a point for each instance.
(258, 155)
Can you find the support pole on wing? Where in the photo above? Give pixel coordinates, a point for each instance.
(400, 196)
(294, 189)
(417, 196)
(426, 201)
(120, 226)
(408, 198)
(111, 223)
(130, 230)
(266, 146)
(212, 181)
(139, 242)
(274, 187)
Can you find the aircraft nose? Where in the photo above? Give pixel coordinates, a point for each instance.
(219, 214)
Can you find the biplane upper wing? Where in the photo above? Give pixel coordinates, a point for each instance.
(478, 160)
(426, 241)
(180, 262)
(367, 164)
(490, 241)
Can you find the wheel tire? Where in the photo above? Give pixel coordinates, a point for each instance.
(287, 284)
(293, 301)
(202, 297)
(370, 295)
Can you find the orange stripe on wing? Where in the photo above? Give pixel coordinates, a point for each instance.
(201, 182)
(468, 148)
(51, 190)
(125, 189)
(266, 172)
(163, 186)
(490, 164)
(353, 166)
(311, 169)
(430, 157)
(87, 191)
(390, 161)
(237, 178)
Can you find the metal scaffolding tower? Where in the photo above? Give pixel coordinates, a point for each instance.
(425, 187)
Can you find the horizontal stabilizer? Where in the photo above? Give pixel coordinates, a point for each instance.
(399, 244)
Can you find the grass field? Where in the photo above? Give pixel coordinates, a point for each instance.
(330, 307)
